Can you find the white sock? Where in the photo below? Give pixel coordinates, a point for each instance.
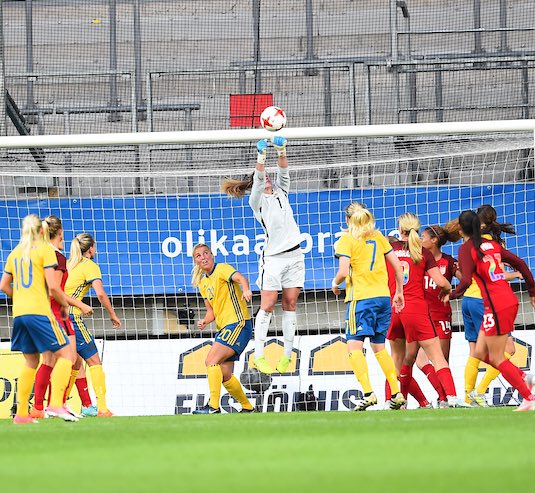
(261, 328)
(289, 324)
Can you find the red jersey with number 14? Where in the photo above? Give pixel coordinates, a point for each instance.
(489, 274)
(439, 311)
(413, 276)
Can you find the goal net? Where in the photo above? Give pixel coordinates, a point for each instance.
(147, 204)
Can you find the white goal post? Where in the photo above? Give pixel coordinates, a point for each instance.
(149, 197)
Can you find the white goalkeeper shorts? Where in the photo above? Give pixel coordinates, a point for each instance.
(285, 270)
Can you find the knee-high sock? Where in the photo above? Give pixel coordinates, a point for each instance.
(470, 374)
(98, 379)
(446, 380)
(235, 389)
(74, 374)
(59, 379)
(405, 377)
(416, 392)
(42, 379)
(261, 328)
(389, 369)
(490, 374)
(24, 389)
(215, 379)
(289, 325)
(83, 392)
(429, 371)
(512, 375)
(360, 369)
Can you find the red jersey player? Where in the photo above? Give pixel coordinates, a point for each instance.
(481, 259)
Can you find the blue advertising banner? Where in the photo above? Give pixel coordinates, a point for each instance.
(144, 243)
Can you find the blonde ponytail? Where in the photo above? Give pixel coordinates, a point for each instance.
(31, 233)
(51, 228)
(360, 221)
(236, 188)
(409, 224)
(80, 244)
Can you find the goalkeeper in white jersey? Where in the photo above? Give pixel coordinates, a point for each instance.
(281, 264)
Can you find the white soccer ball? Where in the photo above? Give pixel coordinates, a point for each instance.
(273, 118)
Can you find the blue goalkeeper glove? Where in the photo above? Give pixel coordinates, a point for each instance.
(261, 147)
(279, 143)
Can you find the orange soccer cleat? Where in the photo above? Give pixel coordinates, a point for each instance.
(37, 413)
(105, 414)
(23, 420)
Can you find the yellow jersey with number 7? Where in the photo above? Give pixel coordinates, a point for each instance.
(368, 276)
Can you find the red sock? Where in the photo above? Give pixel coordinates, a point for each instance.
(388, 391)
(405, 377)
(429, 371)
(520, 372)
(512, 375)
(446, 380)
(42, 380)
(416, 392)
(83, 392)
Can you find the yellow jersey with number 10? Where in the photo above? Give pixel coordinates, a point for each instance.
(368, 276)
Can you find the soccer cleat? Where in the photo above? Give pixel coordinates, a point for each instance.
(89, 411)
(477, 400)
(454, 401)
(243, 410)
(442, 404)
(427, 406)
(366, 402)
(263, 366)
(526, 406)
(105, 414)
(60, 412)
(70, 411)
(23, 420)
(37, 413)
(283, 364)
(208, 410)
(397, 401)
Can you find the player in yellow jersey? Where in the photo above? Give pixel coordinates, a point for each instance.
(362, 252)
(220, 285)
(84, 274)
(28, 271)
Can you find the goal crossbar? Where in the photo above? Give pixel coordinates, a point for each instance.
(244, 135)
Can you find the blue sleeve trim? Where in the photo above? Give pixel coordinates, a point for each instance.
(91, 280)
(50, 266)
(230, 277)
(342, 255)
(7, 272)
(391, 250)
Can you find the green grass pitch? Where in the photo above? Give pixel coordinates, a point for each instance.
(446, 450)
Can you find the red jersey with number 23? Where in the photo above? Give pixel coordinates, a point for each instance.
(489, 274)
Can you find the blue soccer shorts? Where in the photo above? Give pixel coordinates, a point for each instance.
(236, 336)
(85, 344)
(369, 318)
(37, 334)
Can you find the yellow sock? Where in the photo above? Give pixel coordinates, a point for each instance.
(389, 369)
(470, 374)
(24, 389)
(215, 379)
(488, 377)
(59, 379)
(98, 380)
(74, 374)
(235, 389)
(360, 369)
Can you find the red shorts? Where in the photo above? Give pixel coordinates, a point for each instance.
(500, 322)
(66, 325)
(443, 328)
(396, 330)
(416, 327)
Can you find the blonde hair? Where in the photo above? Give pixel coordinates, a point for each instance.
(51, 228)
(409, 224)
(360, 221)
(236, 188)
(31, 233)
(80, 244)
(197, 272)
